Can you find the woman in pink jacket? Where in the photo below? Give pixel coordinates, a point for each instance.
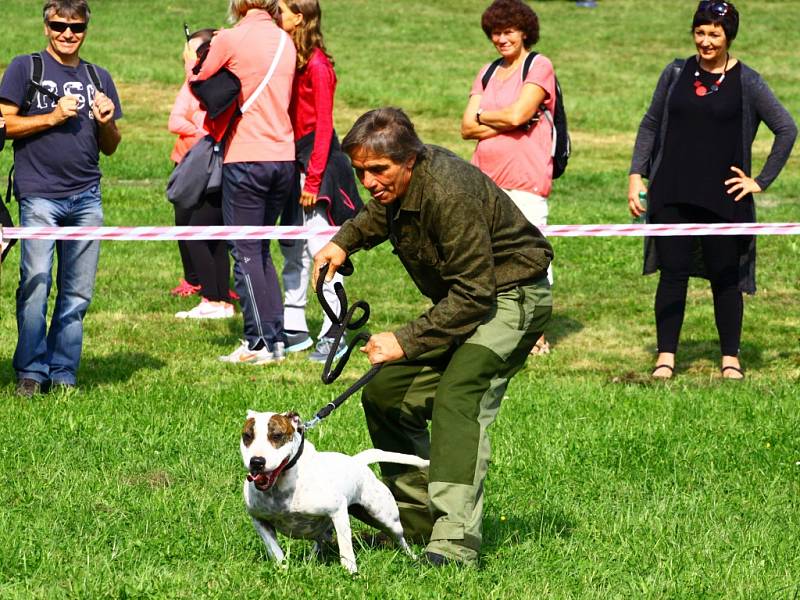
(259, 170)
(206, 265)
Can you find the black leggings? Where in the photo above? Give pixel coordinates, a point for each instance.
(210, 257)
(721, 260)
(182, 217)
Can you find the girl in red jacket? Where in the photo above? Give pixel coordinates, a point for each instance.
(327, 191)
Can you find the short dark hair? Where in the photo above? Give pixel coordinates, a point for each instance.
(204, 34)
(503, 14)
(71, 9)
(386, 132)
(729, 21)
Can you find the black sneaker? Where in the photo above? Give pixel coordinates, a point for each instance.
(27, 388)
(437, 560)
(297, 341)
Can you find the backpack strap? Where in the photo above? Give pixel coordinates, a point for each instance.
(526, 66)
(91, 70)
(10, 184)
(490, 72)
(37, 75)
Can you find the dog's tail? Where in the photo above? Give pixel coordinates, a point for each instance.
(374, 455)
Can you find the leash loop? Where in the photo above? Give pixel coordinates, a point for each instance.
(341, 323)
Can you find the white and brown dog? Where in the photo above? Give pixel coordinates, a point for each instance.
(303, 493)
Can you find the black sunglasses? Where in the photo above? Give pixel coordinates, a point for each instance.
(61, 26)
(715, 7)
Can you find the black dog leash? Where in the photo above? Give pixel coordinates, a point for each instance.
(341, 323)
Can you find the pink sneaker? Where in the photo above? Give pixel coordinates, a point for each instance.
(184, 288)
(207, 310)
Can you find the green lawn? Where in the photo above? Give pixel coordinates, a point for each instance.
(603, 484)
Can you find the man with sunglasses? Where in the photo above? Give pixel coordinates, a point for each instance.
(61, 113)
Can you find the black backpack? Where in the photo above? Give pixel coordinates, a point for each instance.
(562, 145)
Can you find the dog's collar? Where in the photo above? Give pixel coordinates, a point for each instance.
(297, 456)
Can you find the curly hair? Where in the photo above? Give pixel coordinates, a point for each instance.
(504, 14)
(308, 35)
(729, 21)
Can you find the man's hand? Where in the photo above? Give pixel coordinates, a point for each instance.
(383, 347)
(332, 255)
(102, 108)
(66, 108)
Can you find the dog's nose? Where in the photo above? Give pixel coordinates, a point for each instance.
(257, 463)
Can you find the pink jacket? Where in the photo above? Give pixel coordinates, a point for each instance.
(186, 120)
(264, 133)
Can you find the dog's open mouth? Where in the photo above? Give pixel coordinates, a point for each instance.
(266, 479)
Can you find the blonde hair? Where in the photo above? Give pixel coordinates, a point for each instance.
(238, 8)
(308, 35)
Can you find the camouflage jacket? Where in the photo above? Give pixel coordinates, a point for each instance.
(461, 239)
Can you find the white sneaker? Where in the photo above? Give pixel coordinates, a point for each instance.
(207, 310)
(243, 355)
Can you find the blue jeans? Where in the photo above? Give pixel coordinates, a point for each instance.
(54, 355)
(256, 193)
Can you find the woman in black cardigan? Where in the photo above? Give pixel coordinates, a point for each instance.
(694, 146)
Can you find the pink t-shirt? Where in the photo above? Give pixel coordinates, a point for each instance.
(264, 133)
(518, 160)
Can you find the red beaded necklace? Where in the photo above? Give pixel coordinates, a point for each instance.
(702, 90)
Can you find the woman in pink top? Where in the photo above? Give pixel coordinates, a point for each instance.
(326, 190)
(258, 175)
(514, 144)
(205, 262)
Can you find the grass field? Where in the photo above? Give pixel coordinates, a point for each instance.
(603, 483)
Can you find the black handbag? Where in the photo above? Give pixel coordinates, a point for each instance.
(199, 174)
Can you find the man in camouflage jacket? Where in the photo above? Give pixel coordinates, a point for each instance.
(483, 265)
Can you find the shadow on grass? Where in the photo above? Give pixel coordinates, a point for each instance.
(561, 327)
(116, 367)
(694, 357)
(235, 334)
(692, 352)
(508, 530)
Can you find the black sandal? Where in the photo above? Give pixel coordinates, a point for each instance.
(671, 371)
(737, 369)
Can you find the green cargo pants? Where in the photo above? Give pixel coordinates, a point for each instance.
(459, 390)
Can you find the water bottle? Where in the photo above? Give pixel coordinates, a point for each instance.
(642, 218)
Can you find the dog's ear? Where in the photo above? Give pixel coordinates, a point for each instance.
(297, 422)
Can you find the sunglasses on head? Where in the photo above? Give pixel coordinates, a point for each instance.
(715, 7)
(62, 26)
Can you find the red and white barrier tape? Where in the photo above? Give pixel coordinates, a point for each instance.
(302, 233)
